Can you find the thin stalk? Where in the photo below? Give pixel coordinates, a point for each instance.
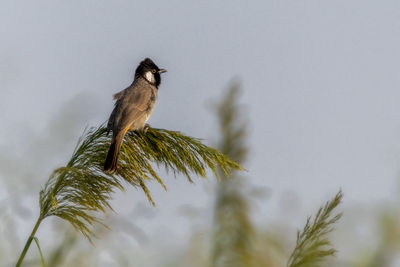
(40, 251)
(28, 242)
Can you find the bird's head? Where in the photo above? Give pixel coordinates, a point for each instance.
(149, 71)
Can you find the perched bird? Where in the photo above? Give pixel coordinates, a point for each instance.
(133, 108)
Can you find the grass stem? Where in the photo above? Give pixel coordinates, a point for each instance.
(28, 242)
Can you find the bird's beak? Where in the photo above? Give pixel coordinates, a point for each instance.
(162, 71)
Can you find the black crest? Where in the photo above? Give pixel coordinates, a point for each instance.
(148, 65)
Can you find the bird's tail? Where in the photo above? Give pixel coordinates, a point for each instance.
(112, 157)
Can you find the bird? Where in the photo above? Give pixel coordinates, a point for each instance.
(133, 107)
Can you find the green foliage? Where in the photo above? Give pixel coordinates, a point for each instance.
(233, 231)
(81, 188)
(233, 125)
(312, 245)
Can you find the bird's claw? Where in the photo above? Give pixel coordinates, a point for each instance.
(146, 128)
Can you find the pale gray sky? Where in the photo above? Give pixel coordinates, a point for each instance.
(320, 79)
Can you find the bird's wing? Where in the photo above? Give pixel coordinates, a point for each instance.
(119, 94)
(111, 120)
(116, 97)
(130, 106)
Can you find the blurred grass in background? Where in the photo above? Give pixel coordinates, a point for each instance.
(233, 239)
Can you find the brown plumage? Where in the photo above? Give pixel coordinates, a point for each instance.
(133, 108)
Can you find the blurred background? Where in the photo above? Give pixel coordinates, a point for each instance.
(317, 95)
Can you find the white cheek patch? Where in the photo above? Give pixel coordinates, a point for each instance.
(150, 76)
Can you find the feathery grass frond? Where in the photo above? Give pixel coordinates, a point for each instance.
(312, 245)
(81, 188)
(233, 122)
(233, 235)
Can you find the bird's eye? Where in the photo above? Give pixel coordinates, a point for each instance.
(153, 71)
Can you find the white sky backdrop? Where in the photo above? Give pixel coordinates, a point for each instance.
(320, 79)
